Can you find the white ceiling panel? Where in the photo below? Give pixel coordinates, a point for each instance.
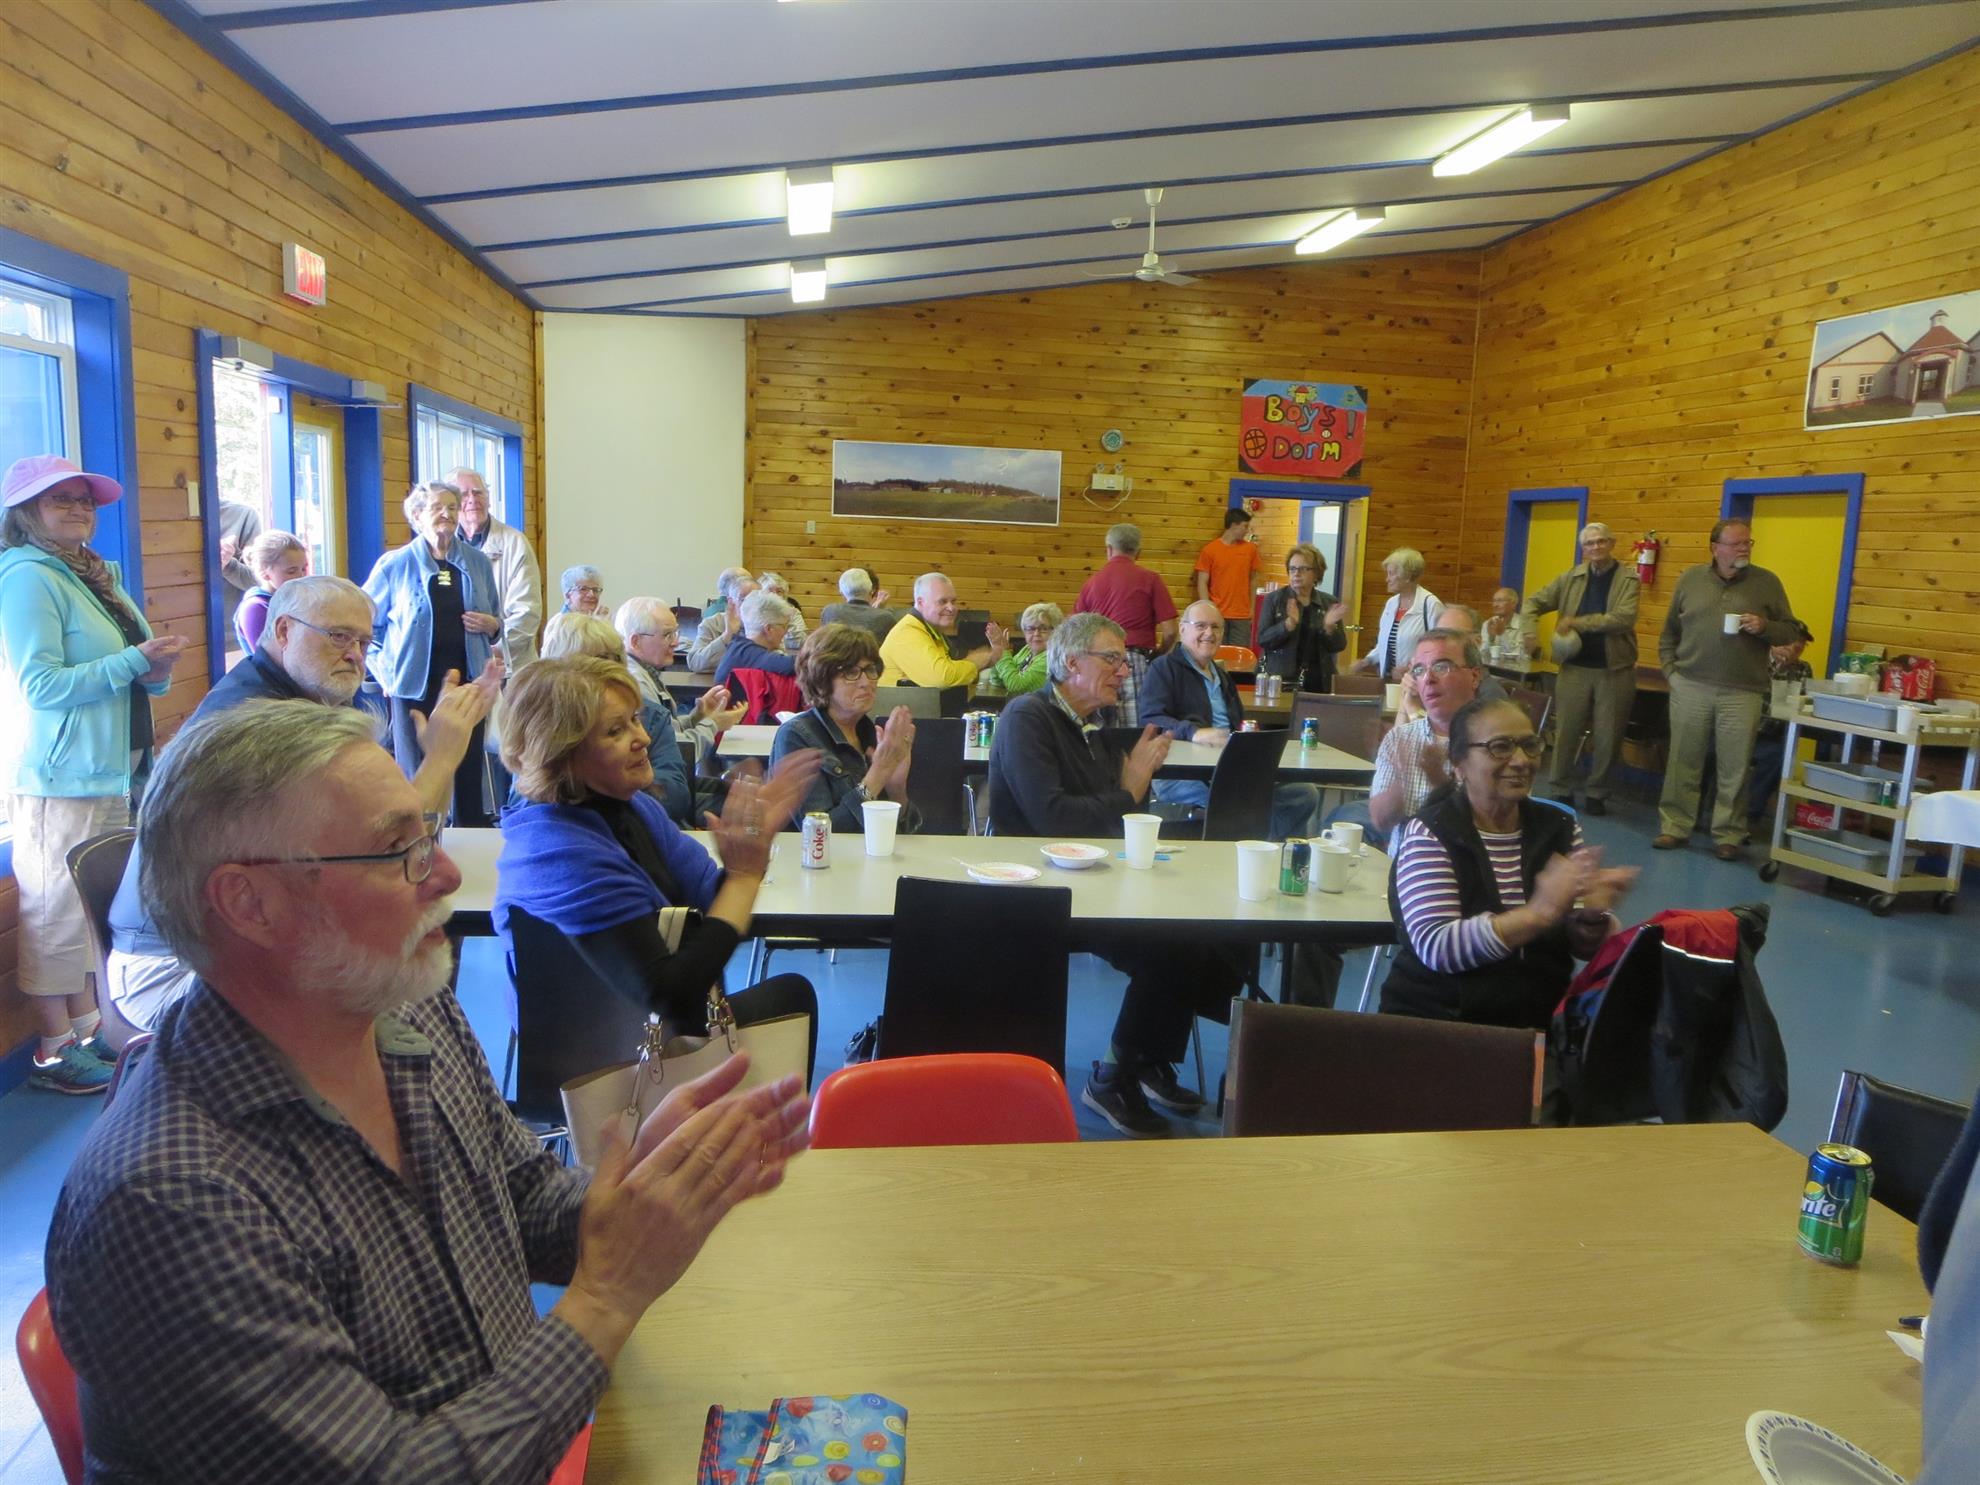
(603, 153)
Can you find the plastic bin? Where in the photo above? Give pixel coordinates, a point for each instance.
(1858, 781)
(1846, 848)
(1857, 711)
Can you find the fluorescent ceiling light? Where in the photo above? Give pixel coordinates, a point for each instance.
(1337, 230)
(808, 200)
(808, 281)
(1509, 134)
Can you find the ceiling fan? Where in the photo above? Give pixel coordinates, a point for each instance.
(1152, 270)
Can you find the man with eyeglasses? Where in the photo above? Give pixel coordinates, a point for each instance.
(650, 632)
(299, 1245)
(1595, 645)
(312, 649)
(1055, 773)
(518, 581)
(1445, 668)
(1137, 600)
(1725, 617)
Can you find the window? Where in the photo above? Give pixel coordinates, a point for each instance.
(38, 411)
(449, 434)
(1865, 383)
(1835, 387)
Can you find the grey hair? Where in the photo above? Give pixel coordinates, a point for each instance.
(308, 595)
(575, 575)
(421, 496)
(1463, 608)
(1407, 560)
(635, 616)
(855, 584)
(222, 792)
(774, 581)
(1597, 529)
(1125, 538)
(763, 609)
(730, 579)
(1074, 638)
(580, 634)
(1474, 658)
(1042, 613)
(925, 584)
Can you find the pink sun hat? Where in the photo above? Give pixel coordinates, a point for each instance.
(29, 477)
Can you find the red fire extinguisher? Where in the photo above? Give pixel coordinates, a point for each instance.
(1646, 558)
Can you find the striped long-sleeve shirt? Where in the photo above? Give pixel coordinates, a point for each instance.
(1427, 888)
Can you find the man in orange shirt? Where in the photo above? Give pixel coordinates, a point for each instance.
(1224, 572)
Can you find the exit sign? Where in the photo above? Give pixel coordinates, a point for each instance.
(304, 275)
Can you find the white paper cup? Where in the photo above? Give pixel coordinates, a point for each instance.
(1331, 865)
(1908, 719)
(1141, 832)
(1732, 623)
(1346, 835)
(1258, 870)
(1392, 696)
(879, 819)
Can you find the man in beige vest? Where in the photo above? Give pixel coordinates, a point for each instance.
(1595, 643)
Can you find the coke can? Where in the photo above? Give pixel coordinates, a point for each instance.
(1295, 856)
(971, 733)
(1835, 1204)
(1247, 725)
(816, 853)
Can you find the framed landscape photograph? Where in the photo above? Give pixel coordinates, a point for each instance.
(945, 482)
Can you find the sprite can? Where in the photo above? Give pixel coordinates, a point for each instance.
(1295, 858)
(1309, 733)
(1835, 1204)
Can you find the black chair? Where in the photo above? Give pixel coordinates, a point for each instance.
(686, 614)
(96, 867)
(1359, 685)
(1536, 704)
(935, 776)
(1906, 1134)
(972, 626)
(1351, 723)
(1007, 993)
(1304, 1070)
(1247, 771)
(574, 1015)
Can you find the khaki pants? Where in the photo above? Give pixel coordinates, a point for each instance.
(1707, 717)
(54, 944)
(1594, 701)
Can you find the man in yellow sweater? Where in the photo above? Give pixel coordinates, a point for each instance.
(916, 650)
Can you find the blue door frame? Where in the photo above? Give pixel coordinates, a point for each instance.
(1519, 520)
(364, 471)
(1737, 501)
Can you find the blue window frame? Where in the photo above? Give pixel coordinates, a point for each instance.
(448, 434)
(101, 399)
(1519, 520)
(1737, 501)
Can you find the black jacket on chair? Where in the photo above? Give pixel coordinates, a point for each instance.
(1174, 698)
(1519, 990)
(1305, 655)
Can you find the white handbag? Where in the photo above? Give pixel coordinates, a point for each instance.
(632, 1090)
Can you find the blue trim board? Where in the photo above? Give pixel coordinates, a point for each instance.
(100, 305)
(1738, 501)
(364, 469)
(237, 61)
(345, 10)
(206, 350)
(1257, 489)
(938, 77)
(1519, 519)
(420, 399)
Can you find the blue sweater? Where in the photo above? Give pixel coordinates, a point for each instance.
(561, 863)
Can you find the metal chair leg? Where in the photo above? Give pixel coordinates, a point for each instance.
(1196, 1045)
(1368, 980)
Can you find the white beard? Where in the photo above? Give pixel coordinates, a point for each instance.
(368, 982)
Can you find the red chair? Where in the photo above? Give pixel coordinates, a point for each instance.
(52, 1384)
(967, 1098)
(765, 693)
(1237, 657)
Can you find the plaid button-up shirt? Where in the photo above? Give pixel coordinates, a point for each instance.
(247, 1292)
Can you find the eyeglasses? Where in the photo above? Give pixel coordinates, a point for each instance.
(1437, 668)
(589, 592)
(1598, 541)
(1037, 628)
(1112, 659)
(860, 673)
(1503, 748)
(1295, 568)
(416, 858)
(343, 639)
(84, 501)
(673, 633)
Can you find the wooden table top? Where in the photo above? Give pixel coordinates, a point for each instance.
(1526, 1307)
(1192, 895)
(1186, 760)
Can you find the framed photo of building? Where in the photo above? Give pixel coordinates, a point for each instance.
(945, 482)
(1918, 360)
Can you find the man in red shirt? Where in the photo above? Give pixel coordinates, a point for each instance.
(1225, 570)
(1137, 600)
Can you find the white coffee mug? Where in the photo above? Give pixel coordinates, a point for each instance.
(1732, 623)
(1392, 697)
(1345, 834)
(1331, 865)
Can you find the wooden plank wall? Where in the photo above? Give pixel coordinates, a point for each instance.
(1658, 344)
(122, 140)
(1057, 368)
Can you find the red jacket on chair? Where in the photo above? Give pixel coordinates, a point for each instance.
(766, 693)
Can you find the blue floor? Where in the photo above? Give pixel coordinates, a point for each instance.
(1898, 997)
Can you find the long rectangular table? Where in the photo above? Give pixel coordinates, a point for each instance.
(1186, 760)
(1191, 896)
(1522, 1307)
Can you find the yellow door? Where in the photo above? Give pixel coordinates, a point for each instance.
(1551, 549)
(317, 430)
(1799, 538)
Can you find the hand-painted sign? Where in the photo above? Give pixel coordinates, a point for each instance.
(1312, 429)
